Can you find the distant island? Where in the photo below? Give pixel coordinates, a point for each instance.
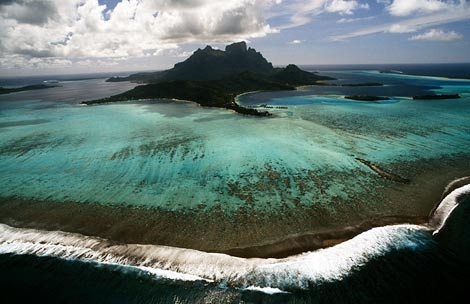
(438, 96)
(214, 78)
(390, 72)
(365, 84)
(25, 88)
(366, 98)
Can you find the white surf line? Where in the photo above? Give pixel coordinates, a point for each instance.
(446, 206)
(295, 272)
(405, 75)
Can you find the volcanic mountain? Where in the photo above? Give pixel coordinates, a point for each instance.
(214, 78)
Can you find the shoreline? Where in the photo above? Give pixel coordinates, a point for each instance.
(232, 105)
(297, 244)
(289, 245)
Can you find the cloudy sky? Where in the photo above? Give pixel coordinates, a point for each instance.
(76, 36)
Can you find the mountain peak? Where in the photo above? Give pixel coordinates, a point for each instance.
(292, 67)
(210, 64)
(238, 47)
(215, 64)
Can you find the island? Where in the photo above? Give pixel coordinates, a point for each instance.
(213, 78)
(366, 98)
(365, 84)
(438, 96)
(390, 72)
(26, 88)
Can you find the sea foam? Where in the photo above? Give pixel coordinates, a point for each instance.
(297, 272)
(292, 273)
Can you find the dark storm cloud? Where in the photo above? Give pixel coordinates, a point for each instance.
(36, 12)
(234, 22)
(34, 53)
(7, 2)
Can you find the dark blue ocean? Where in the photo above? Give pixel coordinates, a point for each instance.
(451, 70)
(20, 81)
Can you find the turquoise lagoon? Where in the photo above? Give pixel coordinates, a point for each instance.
(177, 155)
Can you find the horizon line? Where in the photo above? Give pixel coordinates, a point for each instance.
(275, 65)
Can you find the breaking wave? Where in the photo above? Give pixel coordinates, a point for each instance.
(397, 262)
(292, 273)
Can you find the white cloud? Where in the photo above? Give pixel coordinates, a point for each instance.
(438, 35)
(350, 20)
(345, 7)
(77, 29)
(401, 28)
(453, 13)
(28, 11)
(16, 62)
(301, 12)
(408, 7)
(296, 41)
